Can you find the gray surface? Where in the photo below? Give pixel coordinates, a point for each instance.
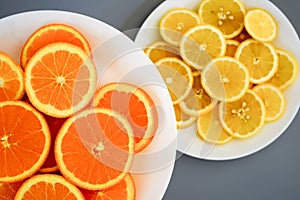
(272, 173)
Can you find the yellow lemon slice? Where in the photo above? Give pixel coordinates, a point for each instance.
(182, 120)
(160, 49)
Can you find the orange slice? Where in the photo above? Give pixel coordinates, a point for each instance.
(24, 141)
(182, 120)
(201, 44)
(260, 59)
(287, 71)
(8, 190)
(225, 79)
(198, 102)
(94, 149)
(125, 190)
(177, 76)
(210, 130)
(175, 23)
(261, 25)
(227, 15)
(244, 117)
(11, 79)
(48, 186)
(231, 47)
(52, 33)
(135, 105)
(273, 99)
(160, 49)
(60, 79)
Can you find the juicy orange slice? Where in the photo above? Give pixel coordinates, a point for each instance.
(160, 49)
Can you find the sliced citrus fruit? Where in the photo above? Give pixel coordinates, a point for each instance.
(201, 44)
(135, 105)
(244, 117)
(94, 149)
(48, 186)
(182, 120)
(54, 124)
(160, 49)
(24, 141)
(175, 23)
(227, 15)
(125, 190)
(231, 47)
(60, 79)
(260, 59)
(8, 190)
(52, 33)
(287, 71)
(198, 101)
(210, 130)
(244, 35)
(11, 79)
(225, 79)
(177, 76)
(261, 25)
(273, 99)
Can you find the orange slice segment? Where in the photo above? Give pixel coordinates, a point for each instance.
(8, 191)
(48, 186)
(94, 149)
(160, 49)
(135, 105)
(24, 141)
(52, 33)
(60, 79)
(11, 79)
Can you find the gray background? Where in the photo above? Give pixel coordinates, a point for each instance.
(273, 173)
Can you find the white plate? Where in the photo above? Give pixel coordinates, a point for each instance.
(188, 143)
(117, 59)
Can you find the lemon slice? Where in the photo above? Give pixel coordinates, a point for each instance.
(287, 71)
(225, 79)
(210, 130)
(175, 23)
(160, 49)
(231, 47)
(182, 120)
(244, 117)
(261, 25)
(198, 101)
(177, 76)
(273, 99)
(260, 59)
(201, 44)
(227, 15)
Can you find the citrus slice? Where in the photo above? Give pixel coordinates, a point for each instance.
(48, 186)
(8, 190)
(135, 105)
(210, 130)
(52, 33)
(260, 59)
(24, 141)
(54, 124)
(201, 44)
(160, 49)
(261, 25)
(225, 79)
(125, 190)
(11, 79)
(227, 15)
(175, 23)
(198, 101)
(182, 120)
(244, 117)
(60, 79)
(177, 76)
(273, 99)
(94, 149)
(287, 71)
(231, 47)
(244, 35)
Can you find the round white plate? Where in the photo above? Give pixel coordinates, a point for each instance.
(117, 59)
(188, 142)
